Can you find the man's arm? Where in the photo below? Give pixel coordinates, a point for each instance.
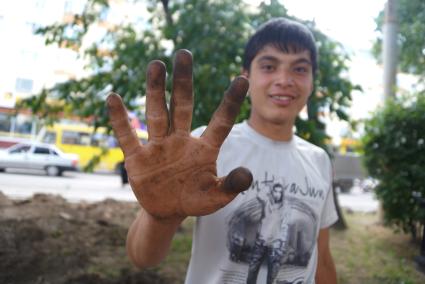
(325, 273)
(149, 239)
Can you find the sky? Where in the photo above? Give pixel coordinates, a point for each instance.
(350, 22)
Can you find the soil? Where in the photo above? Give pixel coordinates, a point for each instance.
(46, 239)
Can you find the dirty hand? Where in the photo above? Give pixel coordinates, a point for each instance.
(174, 175)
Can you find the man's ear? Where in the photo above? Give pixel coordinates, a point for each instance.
(245, 72)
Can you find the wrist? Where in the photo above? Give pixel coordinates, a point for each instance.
(151, 220)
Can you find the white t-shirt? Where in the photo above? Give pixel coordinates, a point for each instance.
(273, 225)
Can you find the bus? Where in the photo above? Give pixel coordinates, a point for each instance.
(91, 147)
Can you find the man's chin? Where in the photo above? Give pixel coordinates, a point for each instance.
(281, 120)
(277, 119)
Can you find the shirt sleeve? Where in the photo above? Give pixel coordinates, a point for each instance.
(329, 214)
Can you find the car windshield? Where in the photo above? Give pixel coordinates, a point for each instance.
(20, 149)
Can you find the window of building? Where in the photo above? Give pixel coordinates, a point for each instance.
(74, 6)
(67, 8)
(23, 124)
(23, 85)
(40, 4)
(5, 122)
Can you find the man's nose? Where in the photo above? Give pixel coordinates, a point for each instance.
(284, 78)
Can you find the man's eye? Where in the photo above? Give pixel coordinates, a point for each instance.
(301, 69)
(267, 67)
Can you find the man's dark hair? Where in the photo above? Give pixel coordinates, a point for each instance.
(284, 34)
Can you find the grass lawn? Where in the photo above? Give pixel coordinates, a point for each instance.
(369, 253)
(365, 253)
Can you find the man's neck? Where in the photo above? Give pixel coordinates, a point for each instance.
(277, 132)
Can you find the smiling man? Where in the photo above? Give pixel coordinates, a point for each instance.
(266, 219)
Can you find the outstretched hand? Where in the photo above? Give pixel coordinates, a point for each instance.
(174, 175)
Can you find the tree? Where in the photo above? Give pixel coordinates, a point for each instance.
(215, 32)
(393, 141)
(411, 40)
(394, 154)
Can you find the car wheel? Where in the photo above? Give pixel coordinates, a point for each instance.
(53, 171)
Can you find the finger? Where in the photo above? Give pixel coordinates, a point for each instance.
(181, 105)
(224, 117)
(156, 108)
(237, 180)
(118, 117)
(216, 192)
(228, 188)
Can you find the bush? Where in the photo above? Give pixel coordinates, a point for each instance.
(394, 154)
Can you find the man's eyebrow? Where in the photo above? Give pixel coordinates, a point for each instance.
(267, 58)
(302, 60)
(275, 59)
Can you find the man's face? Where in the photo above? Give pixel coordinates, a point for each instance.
(280, 84)
(277, 194)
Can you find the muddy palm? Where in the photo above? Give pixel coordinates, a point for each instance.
(174, 175)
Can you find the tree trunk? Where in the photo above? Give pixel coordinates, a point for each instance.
(341, 224)
(167, 12)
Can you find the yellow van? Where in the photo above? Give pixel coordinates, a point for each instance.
(89, 146)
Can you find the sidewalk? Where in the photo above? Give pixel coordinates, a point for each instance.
(358, 200)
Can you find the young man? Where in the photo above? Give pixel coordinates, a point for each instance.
(266, 221)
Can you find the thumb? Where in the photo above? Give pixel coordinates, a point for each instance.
(237, 180)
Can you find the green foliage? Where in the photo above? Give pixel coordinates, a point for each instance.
(214, 31)
(394, 153)
(411, 39)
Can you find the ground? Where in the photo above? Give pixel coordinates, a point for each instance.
(48, 240)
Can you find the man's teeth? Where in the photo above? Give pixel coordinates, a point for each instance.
(282, 98)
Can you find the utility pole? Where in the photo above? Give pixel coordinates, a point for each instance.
(390, 50)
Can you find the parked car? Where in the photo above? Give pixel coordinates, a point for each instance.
(38, 156)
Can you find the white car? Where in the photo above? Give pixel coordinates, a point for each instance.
(38, 156)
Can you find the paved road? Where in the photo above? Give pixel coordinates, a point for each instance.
(72, 186)
(96, 187)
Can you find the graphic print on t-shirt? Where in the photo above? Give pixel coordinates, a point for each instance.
(274, 228)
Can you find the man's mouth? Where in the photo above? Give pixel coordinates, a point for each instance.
(283, 98)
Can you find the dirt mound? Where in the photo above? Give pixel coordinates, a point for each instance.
(46, 239)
